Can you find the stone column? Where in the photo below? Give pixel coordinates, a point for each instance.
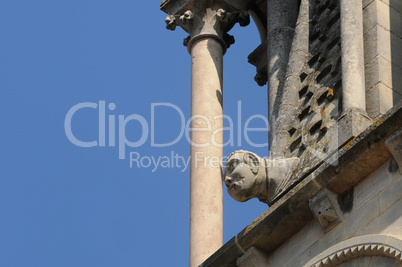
(289, 95)
(353, 86)
(206, 209)
(282, 16)
(207, 22)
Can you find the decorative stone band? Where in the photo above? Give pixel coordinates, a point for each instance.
(206, 36)
(368, 245)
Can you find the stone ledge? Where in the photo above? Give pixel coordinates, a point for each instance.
(289, 214)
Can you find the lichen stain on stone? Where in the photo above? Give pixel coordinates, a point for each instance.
(330, 92)
(348, 145)
(254, 223)
(323, 114)
(377, 122)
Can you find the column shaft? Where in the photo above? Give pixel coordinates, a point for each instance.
(206, 150)
(353, 87)
(282, 16)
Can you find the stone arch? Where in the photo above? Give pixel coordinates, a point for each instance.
(259, 16)
(361, 246)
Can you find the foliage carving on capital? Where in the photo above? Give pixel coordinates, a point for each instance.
(170, 22)
(223, 15)
(212, 18)
(186, 17)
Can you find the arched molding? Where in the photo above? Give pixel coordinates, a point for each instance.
(260, 19)
(368, 245)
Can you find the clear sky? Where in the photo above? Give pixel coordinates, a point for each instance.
(66, 205)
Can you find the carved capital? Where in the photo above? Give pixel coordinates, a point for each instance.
(204, 19)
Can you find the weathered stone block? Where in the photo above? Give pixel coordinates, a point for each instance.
(366, 3)
(379, 13)
(395, 4)
(359, 218)
(331, 238)
(377, 42)
(379, 100)
(389, 222)
(397, 95)
(379, 261)
(374, 183)
(310, 234)
(376, 13)
(378, 70)
(296, 63)
(253, 257)
(396, 22)
(396, 51)
(350, 125)
(391, 194)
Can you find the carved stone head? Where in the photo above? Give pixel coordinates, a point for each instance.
(248, 176)
(245, 175)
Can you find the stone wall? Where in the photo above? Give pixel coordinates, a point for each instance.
(320, 80)
(377, 205)
(346, 212)
(383, 54)
(312, 124)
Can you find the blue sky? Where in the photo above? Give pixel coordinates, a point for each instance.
(65, 205)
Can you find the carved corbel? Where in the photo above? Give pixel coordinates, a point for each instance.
(326, 210)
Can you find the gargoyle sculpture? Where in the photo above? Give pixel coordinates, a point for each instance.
(248, 176)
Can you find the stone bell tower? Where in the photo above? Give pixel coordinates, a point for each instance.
(333, 71)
